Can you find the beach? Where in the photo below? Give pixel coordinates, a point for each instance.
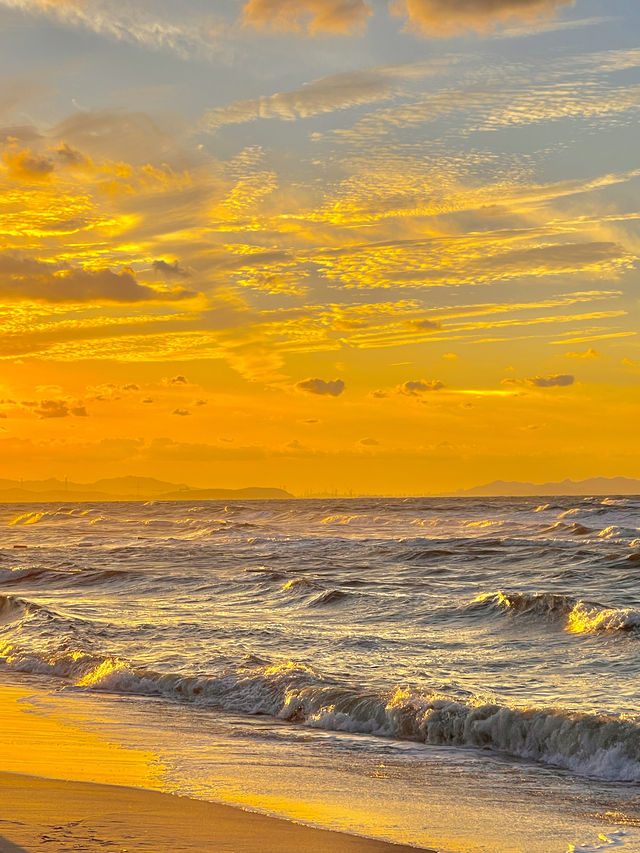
(62, 816)
(54, 811)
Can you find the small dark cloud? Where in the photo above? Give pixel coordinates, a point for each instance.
(426, 325)
(416, 387)
(176, 380)
(70, 156)
(296, 446)
(170, 269)
(557, 380)
(148, 400)
(331, 388)
(56, 409)
(369, 442)
(182, 412)
(131, 387)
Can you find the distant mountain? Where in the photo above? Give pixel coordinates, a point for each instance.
(135, 485)
(124, 489)
(592, 486)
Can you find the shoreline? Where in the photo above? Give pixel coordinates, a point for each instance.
(89, 816)
(69, 789)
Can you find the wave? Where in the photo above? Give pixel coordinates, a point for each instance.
(331, 596)
(36, 516)
(299, 584)
(13, 609)
(421, 554)
(614, 531)
(587, 744)
(50, 576)
(580, 617)
(573, 528)
(584, 510)
(536, 603)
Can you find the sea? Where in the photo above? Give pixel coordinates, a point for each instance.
(460, 674)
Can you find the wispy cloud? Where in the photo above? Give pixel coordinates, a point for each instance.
(337, 92)
(313, 16)
(137, 23)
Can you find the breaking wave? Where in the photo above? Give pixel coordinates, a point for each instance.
(573, 528)
(13, 609)
(606, 747)
(580, 617)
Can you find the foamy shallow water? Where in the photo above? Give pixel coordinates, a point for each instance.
(363, 662)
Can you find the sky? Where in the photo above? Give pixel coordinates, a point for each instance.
(352, 246)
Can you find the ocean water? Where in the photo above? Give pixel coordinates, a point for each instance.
(460, 673)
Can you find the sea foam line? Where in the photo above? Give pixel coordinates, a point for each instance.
(587, 744)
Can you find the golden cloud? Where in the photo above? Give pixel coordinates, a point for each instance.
(27, 165)
(442, 18)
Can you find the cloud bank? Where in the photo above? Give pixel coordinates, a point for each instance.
(24, 278)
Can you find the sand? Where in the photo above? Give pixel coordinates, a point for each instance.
(43, 814)
(53, 798)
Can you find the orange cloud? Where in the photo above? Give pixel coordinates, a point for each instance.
(442, 18)
(25, 165)
(590, 353)
(333, 16)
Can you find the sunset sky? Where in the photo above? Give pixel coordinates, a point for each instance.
(387, 247)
